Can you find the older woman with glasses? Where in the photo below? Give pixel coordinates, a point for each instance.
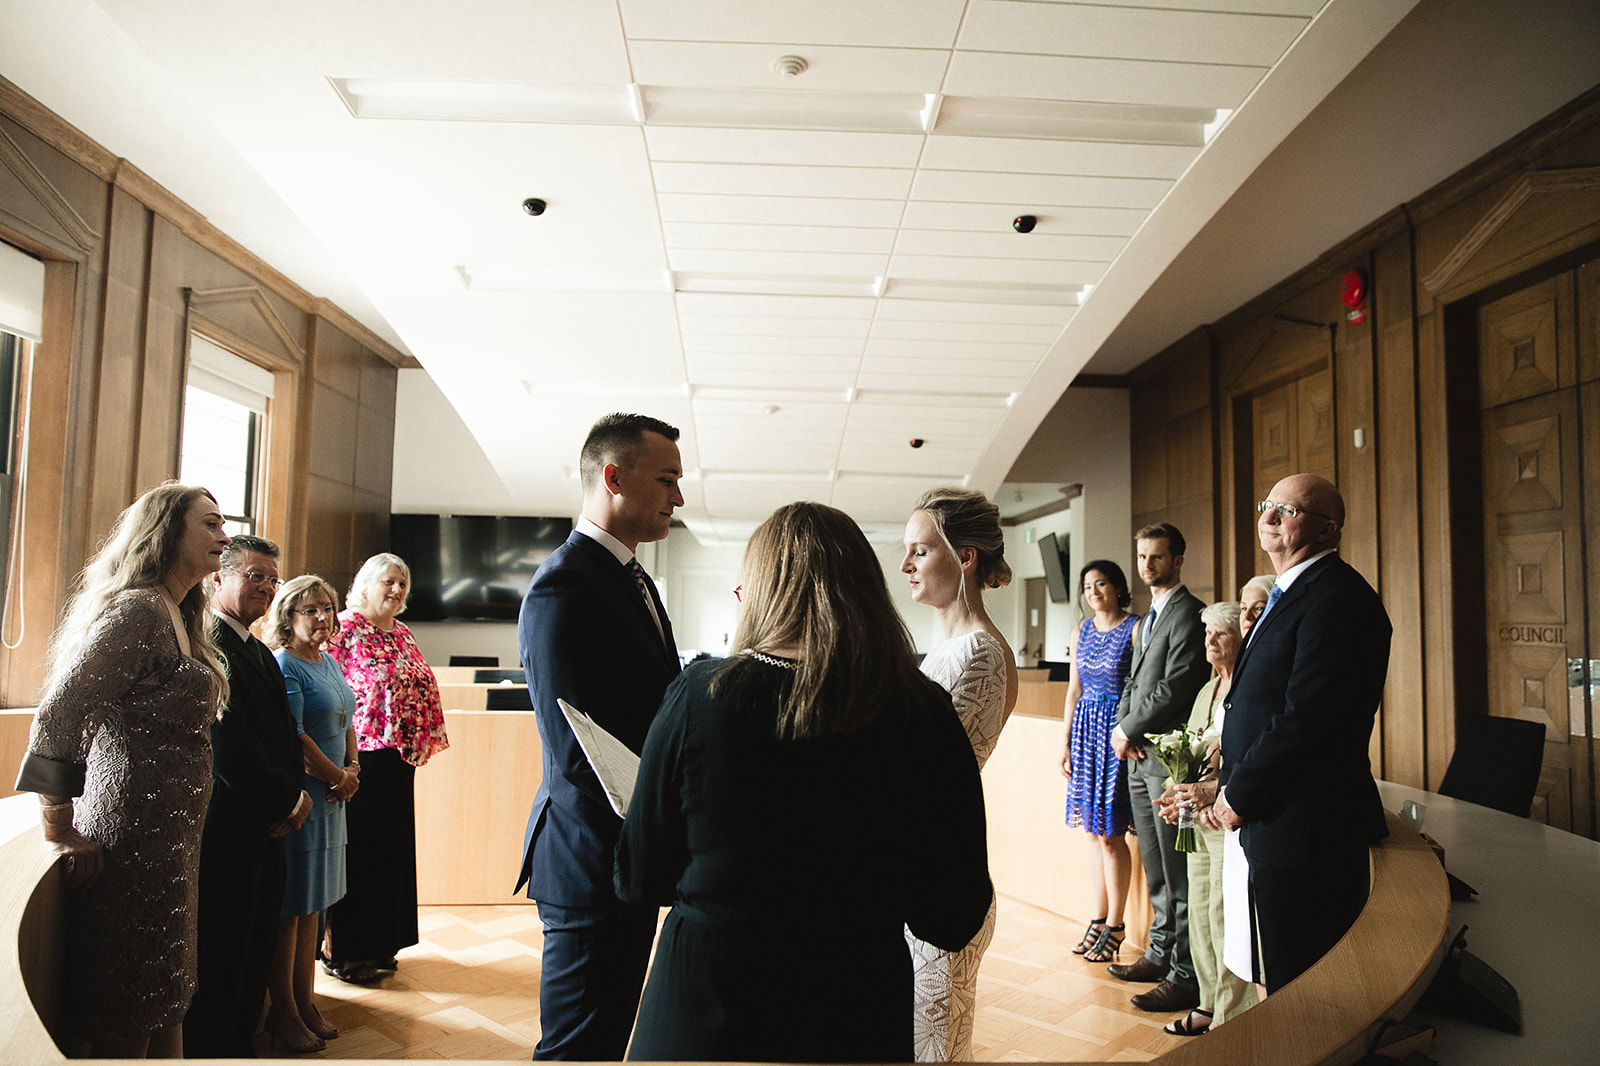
(298, 624)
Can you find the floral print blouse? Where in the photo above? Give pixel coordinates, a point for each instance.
(397, 698)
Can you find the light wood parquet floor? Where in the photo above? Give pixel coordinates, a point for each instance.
(470, 990)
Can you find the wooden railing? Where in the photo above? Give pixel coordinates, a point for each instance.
(1328, 1016)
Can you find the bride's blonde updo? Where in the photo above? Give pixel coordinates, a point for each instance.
(966, 519)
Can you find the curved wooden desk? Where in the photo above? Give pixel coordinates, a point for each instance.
(1327, 1016)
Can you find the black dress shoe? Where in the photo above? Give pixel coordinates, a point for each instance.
(1142, 970)
(1167, 997)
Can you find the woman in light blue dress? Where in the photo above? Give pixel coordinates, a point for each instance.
(299, 623)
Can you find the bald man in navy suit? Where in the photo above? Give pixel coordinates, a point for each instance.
(594, 632)
(1296, 778)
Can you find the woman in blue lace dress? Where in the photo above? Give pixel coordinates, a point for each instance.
(1098, 800)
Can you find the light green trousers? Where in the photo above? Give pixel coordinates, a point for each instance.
(1220, 989)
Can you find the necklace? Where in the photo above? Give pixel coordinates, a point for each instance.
(771, 660)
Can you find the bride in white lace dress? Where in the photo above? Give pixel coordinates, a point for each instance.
(954, 550)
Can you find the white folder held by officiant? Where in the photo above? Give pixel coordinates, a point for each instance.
(614, 763)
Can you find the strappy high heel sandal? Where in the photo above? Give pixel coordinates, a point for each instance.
(1090, 936)
(319, 1026)
(1105, 949)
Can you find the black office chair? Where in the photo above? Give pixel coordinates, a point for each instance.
(507, 699)
(1496, 763)
(474, 660)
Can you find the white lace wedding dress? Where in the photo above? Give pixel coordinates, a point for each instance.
(972, 668)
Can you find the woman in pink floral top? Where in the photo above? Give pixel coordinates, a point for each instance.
(399, 725)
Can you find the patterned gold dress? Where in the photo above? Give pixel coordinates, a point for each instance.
(127, 731)
(972, 668)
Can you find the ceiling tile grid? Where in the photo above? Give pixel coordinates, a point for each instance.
(810, 267)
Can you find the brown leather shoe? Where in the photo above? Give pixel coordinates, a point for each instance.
(1141, 970)
(1167, 997)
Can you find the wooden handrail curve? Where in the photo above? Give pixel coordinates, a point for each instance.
(1327, 1017)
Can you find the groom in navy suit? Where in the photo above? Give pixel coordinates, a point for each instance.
(1295, 771)
(593, 632)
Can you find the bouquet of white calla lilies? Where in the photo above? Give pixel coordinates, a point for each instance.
(1185, 755)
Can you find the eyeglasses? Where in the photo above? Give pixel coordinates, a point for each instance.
(256, 577)
(312, 612)
(1289, 510)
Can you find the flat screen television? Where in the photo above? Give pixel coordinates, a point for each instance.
(472, 566)
(1054, 553)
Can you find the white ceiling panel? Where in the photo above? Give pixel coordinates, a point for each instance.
(1035, 245)
(779, 210)
(936, 385)
(1116, 33)
(935, 311)
(996, 218)
(748, 179)
(1043, 189)
(733, 305)
(811, 376)
(684, 144)
(1247, 7)
(911, 371)
(870, 499)
(1087, 158)
(723, 325)
(781, 264)
(730, 494)
(1033, 338)
(750, 66)
(778, 238)
(768, 344)
(882, 23)
(1064, 273)
(1112, 81)
(673, 156)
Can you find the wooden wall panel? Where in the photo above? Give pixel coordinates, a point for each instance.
(1393, 442)
(1406, 378)
(333, 435)
(125, 261)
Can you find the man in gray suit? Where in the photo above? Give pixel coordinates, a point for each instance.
(1168, 669)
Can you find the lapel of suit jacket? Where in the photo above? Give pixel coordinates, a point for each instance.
(608, 564)
(244, 652)
(1139, 643)
(1295, 592)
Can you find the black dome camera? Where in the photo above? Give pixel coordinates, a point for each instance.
(533, 205)
(1024, 223)
(917, 442)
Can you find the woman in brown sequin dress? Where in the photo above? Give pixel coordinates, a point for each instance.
(120, 755)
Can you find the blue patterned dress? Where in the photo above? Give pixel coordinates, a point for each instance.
(1098, 800)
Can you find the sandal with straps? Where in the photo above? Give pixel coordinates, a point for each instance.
(1183, 1027)
(1106, 947)
(1090, 935)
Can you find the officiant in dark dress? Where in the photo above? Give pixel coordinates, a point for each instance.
(798, 805)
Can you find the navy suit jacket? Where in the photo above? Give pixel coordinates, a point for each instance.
(586, 637)
(257, 766)
(1299, 720)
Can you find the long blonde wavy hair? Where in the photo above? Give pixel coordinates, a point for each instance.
(141, 548)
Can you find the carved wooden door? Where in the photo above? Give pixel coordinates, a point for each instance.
(1540, 664)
